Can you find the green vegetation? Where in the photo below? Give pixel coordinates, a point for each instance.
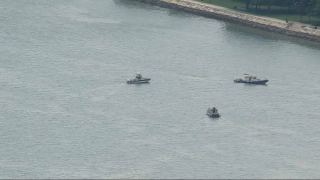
(224, 3)
(304, 11)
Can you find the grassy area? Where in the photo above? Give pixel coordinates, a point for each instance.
(224, 3)
(276, 12)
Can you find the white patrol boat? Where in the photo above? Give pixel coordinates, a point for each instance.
(139, 79)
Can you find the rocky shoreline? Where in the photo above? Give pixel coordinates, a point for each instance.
(263, 23)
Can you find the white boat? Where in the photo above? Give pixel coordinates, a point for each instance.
(250, 79)
(138, 80)
(213, 112)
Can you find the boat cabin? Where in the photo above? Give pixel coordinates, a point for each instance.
(138, 76)
(248, 77)
(213, 110)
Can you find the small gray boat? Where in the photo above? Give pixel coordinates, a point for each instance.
(213, 112)
(138, 80)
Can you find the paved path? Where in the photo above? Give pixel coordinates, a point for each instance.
(236, 11)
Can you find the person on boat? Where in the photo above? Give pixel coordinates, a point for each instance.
(138, 76)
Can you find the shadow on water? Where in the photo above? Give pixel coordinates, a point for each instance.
(133, 4)
(141, 84)
(247, 84)
(269, 36)
(137, 4)
(214, 118)
(178, 13)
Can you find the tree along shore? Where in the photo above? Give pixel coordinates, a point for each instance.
(217, 12)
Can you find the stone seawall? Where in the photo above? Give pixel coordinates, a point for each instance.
(264, 23)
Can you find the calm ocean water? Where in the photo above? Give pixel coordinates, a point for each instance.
(67, 112)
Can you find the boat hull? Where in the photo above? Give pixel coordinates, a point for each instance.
(215, 115)
(251, 82)
(141, 81)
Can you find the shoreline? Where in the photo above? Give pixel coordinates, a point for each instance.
(221, 13)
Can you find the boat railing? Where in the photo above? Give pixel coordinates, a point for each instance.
(261, 78)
